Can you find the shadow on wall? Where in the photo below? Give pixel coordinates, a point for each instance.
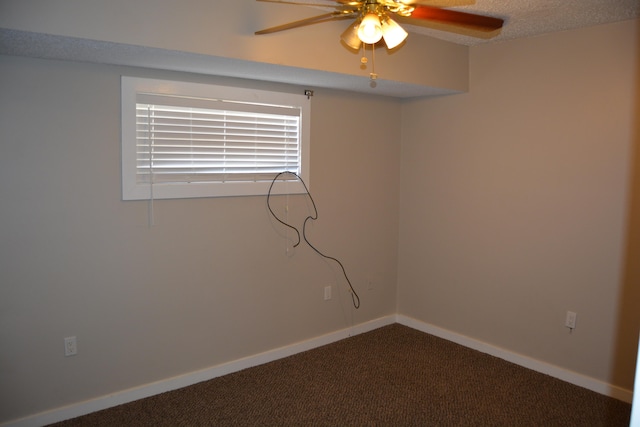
(629, 304)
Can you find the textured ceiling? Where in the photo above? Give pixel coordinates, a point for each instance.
(525, 18)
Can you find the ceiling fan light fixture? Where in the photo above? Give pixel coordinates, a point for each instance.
(370, 29)
(350, 36)
(393, 33)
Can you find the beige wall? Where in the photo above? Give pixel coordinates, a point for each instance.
(211, 282)
(489, 214)
(517, 201)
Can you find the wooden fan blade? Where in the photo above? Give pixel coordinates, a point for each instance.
(453, 17)
(308, 21)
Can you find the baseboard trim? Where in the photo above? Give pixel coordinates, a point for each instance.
(174, 383)
(524, 361)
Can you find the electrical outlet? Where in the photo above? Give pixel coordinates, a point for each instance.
(370, 284)
(570, 321)
(327, 293)
(70, 346)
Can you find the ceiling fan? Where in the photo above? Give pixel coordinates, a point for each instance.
(373, 19)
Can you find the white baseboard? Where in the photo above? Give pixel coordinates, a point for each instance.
(524, 361)
(169, 384)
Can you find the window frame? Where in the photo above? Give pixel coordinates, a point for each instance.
(131, 87)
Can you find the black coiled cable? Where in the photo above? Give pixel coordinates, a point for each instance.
(354, 296)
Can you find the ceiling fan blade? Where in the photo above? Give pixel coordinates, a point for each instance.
(308, 21)
(456, 18)
(298, 3)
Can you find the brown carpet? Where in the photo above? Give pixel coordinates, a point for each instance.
(393, 376)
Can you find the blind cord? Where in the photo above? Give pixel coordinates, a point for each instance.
(150, 140)
(354, 295)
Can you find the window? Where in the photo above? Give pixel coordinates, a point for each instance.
(183, 140)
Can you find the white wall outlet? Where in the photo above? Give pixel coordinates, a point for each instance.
(70, 346)
(570, 321)
(327, 293)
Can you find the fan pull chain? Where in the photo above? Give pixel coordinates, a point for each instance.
(373, 74)
(364, 60)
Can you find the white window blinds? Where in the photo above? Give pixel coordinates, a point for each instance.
(183, 140)
(197, 140)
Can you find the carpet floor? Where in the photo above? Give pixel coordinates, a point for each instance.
(392, 376)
